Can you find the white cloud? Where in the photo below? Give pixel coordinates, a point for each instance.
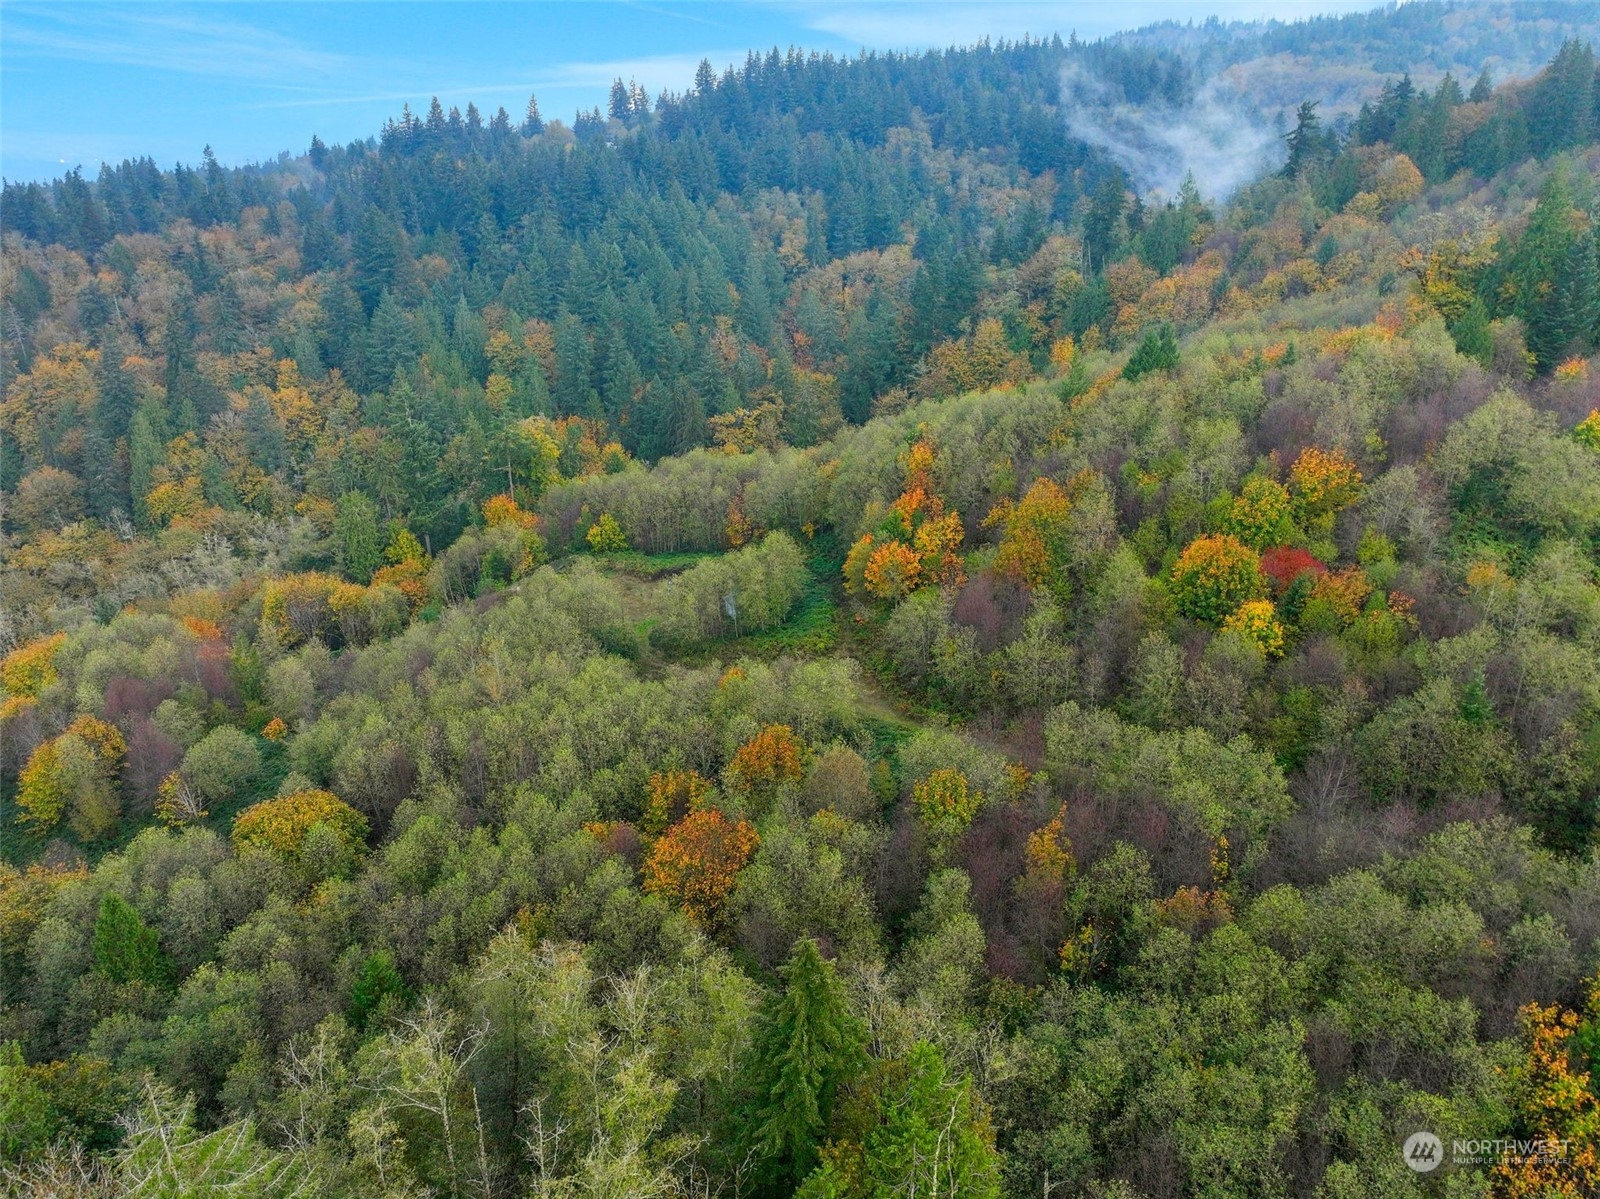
(653, 72)
(167, 40)
(915, 24)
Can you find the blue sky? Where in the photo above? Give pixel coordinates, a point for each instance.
(82, 83)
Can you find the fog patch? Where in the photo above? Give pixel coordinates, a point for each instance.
(1215, 133)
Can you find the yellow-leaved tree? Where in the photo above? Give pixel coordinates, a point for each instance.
(75, 775)
(281, 825)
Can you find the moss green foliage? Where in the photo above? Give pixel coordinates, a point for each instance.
(126, 949)
(439, 754)
(376, 981)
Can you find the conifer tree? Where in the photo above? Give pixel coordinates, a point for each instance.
(125, 948)
(357, 536)
(376, 980)
(807, 1045)
(618, 106)
(1472, 335)
(929, 1133)
(1305, 140)
(1545, 281)
(1157, 352)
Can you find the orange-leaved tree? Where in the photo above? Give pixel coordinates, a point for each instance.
(1047, 864)
(916, 543)
(297, 607)
(892, 571)
(74, 774)
(28, 670)
(1324, 482)
(500, 509)
(1337, 597)
(945, 804)
(772, 757)
(407, 570)
(697, 861)
(25, 896)
(1257, 621)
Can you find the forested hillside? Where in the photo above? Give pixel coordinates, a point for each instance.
(819, 636)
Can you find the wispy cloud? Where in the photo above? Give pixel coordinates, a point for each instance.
(915, 24)
(889, 25)
(167, 40)
(677, 12)
(654, 72)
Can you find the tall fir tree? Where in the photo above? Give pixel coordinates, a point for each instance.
(1305, 141)
(807, 1045)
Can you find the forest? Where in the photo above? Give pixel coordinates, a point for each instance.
(820, 636)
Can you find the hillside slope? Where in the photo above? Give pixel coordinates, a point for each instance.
(818, 639)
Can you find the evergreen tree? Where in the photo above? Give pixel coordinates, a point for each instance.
(1561, 106)
(357, 537)
(177, 346)
(573, 391)
(228, 332)
(94, 310)
(618, 106)
(220, 204)
(125, 948)
(1578, 295)
(393, 345)
(146, 436)
(807, 1045)
(376, 255)
(1472, 334)
(81, 217)
(1539, 266)
(1306, 143)
(621, 381)
(1157, 352)
(927, 1136)
(1101, 234)
(319, 248)
(104, 479)
(119, 395)
(376, 980)
(676, 426)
